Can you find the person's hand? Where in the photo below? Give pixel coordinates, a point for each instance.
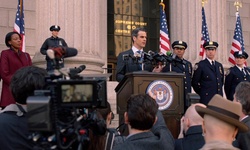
(158, 68)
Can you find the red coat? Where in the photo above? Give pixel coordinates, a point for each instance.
(10, 62)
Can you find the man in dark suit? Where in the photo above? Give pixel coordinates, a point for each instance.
(147, 128)
(208, 77)
(242, 96)
(132, 59)
(181, 66)
(190, 137)
(236, 74)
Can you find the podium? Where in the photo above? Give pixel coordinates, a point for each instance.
(169, 84)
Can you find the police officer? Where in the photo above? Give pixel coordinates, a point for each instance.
(236, 74)
(53, 41)
(208, 74)
(181, 66)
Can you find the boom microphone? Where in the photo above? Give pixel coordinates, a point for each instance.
(61, 52)
(70, 52)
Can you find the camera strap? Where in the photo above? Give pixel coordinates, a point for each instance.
(109, 141)
(21, 109)
(14, 108)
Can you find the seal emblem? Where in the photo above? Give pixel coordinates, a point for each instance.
(162, 92)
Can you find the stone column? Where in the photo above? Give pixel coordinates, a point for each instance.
(83, 26)
(186, 19)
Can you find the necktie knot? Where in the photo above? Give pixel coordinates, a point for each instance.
(243, 71)
(213, 63)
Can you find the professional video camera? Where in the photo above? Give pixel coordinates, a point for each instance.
(61, 115)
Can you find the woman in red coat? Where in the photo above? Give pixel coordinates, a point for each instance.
(11, 60)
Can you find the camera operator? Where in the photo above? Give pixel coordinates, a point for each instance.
(13, 119)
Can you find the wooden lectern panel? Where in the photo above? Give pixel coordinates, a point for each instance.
(138, 82)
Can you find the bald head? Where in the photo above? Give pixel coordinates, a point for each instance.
(217, 129)
(191, 117)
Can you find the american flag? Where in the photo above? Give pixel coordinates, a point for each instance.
(238, 41)
(19, 23)
(204, 34)
(164, 36)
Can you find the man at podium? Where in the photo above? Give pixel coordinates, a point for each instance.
(133, 59)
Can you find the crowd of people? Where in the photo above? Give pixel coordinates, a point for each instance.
(214, 123)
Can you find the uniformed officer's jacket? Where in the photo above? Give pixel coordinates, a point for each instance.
(233, 77)
(208, 80)
(186, 68)
(52, 42)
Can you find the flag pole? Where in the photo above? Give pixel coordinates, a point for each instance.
(21, 7)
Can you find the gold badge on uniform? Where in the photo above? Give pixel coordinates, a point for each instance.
(196, 66)
(228, 72)
(220, 70)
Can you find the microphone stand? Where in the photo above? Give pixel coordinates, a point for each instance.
(170, 66)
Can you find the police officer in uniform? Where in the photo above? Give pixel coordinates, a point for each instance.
(236, 74)
(181, 66)
(208, 74)
(53, 41)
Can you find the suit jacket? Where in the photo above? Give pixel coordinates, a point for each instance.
(207, 80)
(185, 68)
(130, 65)
(193, 139)
(233, 77)
(244, 138)
(10, 62)
(158, 138)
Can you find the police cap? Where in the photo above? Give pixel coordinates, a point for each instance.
(210, 45)
(239, 54)
(179, 44)
(54, 28)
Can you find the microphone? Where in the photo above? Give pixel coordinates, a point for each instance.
(70, 52)
(151, 52)
(148, 56)
(61, 52)
(136, 54)
(169, 53)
